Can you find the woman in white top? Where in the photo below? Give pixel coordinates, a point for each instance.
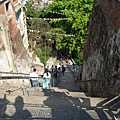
(46, 79)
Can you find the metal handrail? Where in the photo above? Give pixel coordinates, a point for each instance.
(22, 76)
(17, 77)
(13, 73)
(103, 90)
(100, 79)
(9, 75)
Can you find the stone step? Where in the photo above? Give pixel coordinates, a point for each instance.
(70, 99)
(113, 103)
(55, 104)
(116, 106)
(36, 112)
(55, 100)
(41, 92)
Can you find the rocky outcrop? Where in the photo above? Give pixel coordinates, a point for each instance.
(101, 66)
(6, 54)
(111, 10)
(14, 56)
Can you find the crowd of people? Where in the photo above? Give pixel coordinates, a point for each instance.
(54, 73)
(51, 77)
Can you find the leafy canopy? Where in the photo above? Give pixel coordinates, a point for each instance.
(78, 13)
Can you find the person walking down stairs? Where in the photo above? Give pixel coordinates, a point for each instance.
(55, 76)
(63, 70)
(46, 79)
(34, 79)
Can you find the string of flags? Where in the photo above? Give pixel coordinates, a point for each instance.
(48, 18)
(54, 12)
(37, 31)
(60, 34)
(48, 11)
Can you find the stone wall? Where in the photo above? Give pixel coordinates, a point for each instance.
(101, 62)
(111, 10)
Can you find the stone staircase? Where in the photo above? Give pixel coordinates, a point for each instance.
(55, 104)
(64, 102)
(113, 103)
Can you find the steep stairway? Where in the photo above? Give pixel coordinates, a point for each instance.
(64, 102)
(54, 104)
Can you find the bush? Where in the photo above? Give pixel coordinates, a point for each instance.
(40, 52)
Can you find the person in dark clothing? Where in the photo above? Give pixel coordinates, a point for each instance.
(55, 75)
(52, 68)
(55, 72)
(63, 69)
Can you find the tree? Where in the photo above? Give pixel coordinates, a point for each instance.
(78, 13)
(37, 32)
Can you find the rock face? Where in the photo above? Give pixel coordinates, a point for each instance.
(14, 54)
(101, 66)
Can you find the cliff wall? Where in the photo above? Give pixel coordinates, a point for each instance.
(101, 62)
(14, 57)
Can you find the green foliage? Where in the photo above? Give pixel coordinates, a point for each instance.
(40, 52)
(32, 11)
(78, 13)
(35, 23)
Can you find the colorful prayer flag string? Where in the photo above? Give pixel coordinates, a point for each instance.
(54, 12)
(48, 18)
(37, 31)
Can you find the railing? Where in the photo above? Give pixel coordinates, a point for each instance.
(99, 87)
(22, 76)
(100, 79)
(105, 87)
